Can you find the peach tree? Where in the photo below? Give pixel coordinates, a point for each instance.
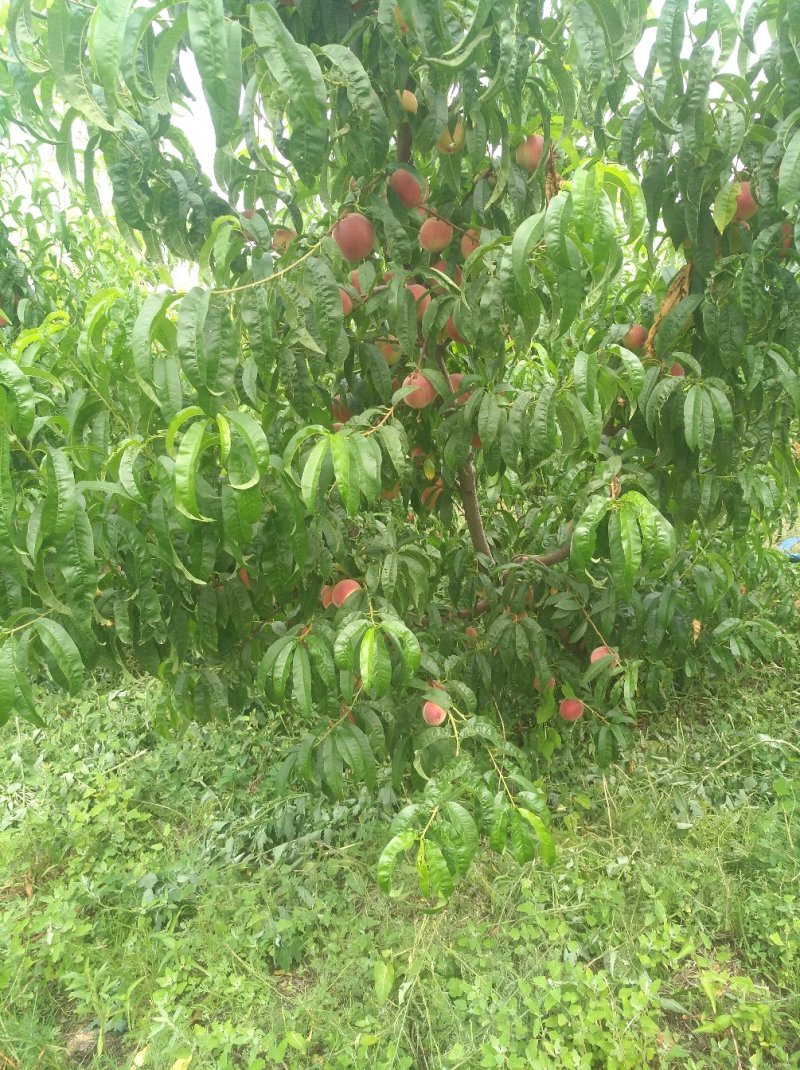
(468, 439)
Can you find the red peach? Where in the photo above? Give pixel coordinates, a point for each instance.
(551, 683)
(602, 652)
(390, 350)
(423, 393)
(326, 595)
(746, 206)
(455, 379)
(408, 190)
(635, 338)
(355, 236)
(529, 153)
(470, 242)
(435, 235)
(347, 302)
(421, 297)
(571, 709)
(282, 238)
(343, 590)
(433, 714)
(408, 101)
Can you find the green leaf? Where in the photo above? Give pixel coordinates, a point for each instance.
(309, 484)
(331, 761)
(397, 453)
(64, 652)
(8, 681)
(340, 456)
(296, 71)
(106, 34)
(698, 419)
(301, 681)
(437, 873)
(374, 663)
(585, 533)
(366, 454)
(676, 321)
(660, 394)
(525, 236)
(60, 500)
(187, 462)
(396, 846)
(547, 848)
(217, 46)
(65, 34)
(366, 104)
(789, 174)
(20, 397)
(625, 545)
(383, 977)
(256, 441)
(412, 653)
(345, 642)
(191, 343)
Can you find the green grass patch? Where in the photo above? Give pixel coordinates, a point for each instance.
(159, 901)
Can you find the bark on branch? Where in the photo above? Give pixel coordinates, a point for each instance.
(472, 513)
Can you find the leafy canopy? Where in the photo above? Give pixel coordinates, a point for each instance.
(571, 226)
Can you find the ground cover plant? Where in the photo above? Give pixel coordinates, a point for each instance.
(161, 901)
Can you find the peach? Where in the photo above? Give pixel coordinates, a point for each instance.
(529, 153)
(282, 238)
(421, 297)
(423, 393)
(635, 338)
(477, 441)
(571, 709)
(677, 370)
(244, 578)
(435, 235)
(347, 302)
(430, 496)
(551, 683)
(433, 714)
(343, 590)
(391, 493)
(470, 242)
(602, 652)
(448, 142)
(326, 595)
(746, 206)
(455, 379)
(407, 189)
(390, 350)
(355, 236)
(408, 102)
(339, 411)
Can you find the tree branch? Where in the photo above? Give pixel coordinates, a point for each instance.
(545, 560)
(469, 497)
(404, 143)
(467, 488)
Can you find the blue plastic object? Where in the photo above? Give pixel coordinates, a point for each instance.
(790, 546)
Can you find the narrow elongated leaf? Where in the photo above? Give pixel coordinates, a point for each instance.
(396, 846)
(186, 470)
(63, 650)
(217, 46)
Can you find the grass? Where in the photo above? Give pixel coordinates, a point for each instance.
(158, 901)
